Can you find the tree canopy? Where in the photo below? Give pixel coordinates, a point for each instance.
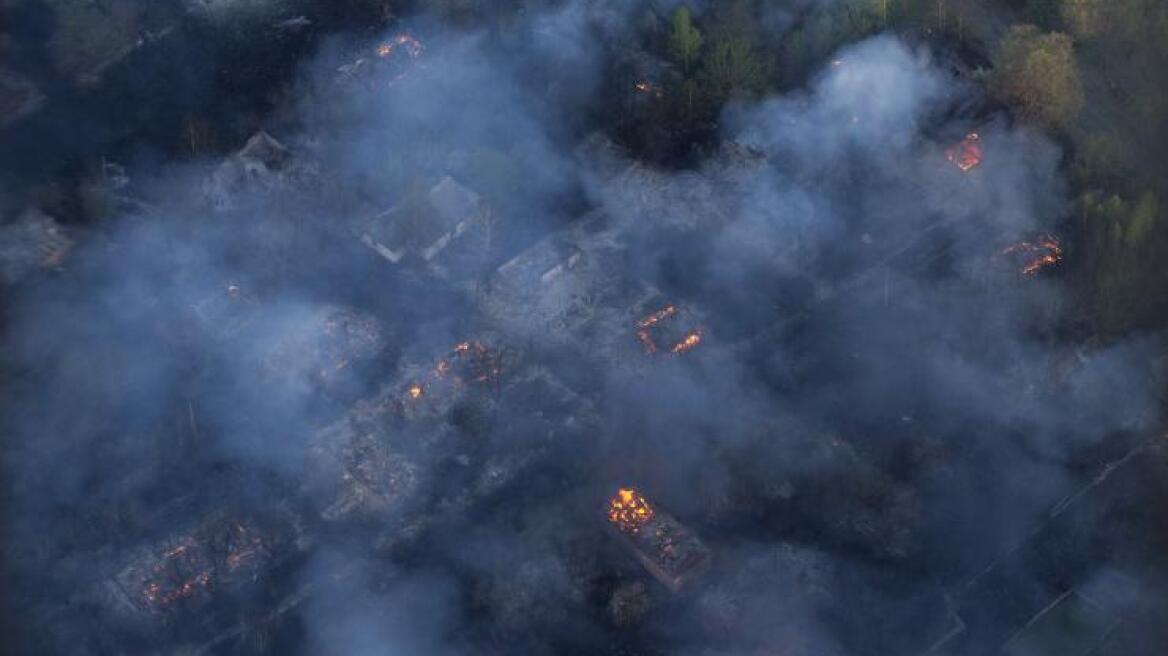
(685, 41)
(1038, 74)
(732, 65)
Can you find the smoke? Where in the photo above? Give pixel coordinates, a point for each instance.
(879, 409)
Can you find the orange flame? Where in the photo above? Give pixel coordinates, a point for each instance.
(688, 343)
(658, 316)
(161, 590)
(645, 332)
(628, 510)
(406, 42)
(415, 392)
(1042, 252)
(966, 154)
(195, 564)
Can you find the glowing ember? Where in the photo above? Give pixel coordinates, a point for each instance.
(467, 363)
(647, 325)
(196, 565)
(244, 547)
(967, 154)
(181, 572)
(688, 342)
(628, 510)
(415, 392)
(1034, 255)
(405, 42)
(657, 317)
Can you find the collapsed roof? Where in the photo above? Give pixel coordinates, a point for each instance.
(424, 231)
(262, 167)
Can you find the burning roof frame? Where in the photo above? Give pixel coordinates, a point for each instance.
(185, 571)
(386, 437)
(657, 539)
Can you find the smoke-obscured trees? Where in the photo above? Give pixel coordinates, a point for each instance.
(685, 41)
(1038, 74)
(731, 65)
(1123, 240)
(1082, 17)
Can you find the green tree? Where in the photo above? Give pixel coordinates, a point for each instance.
(1043, 12)
(731, 66)
(685, 41)
(1082, 17)
(1124, 247)
(1038, 74)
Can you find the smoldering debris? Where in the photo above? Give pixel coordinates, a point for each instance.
(34, 241)
(832, 425)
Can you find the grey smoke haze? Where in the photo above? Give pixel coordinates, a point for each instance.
(827, 184)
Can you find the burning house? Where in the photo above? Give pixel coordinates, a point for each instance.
(967, 153)
(566, 292)
(668, 331)
(224, 555)
(423, 231)
(374, 464)
(671, 552)
(387, 62)
(469, 367)
(367, 464)
(1033, 255)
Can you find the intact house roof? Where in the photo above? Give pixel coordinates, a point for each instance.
(450, 212)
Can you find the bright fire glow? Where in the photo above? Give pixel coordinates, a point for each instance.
(688, 342)
(646, 325)
(172, 579)
(467, 362)
(1041, 252)
(199, 563)
(404, 42)
(628, 510)
(415, 392)
(658, 316)
(966, 154)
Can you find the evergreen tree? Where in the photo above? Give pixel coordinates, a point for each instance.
(1039, 75)
(685, 41)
